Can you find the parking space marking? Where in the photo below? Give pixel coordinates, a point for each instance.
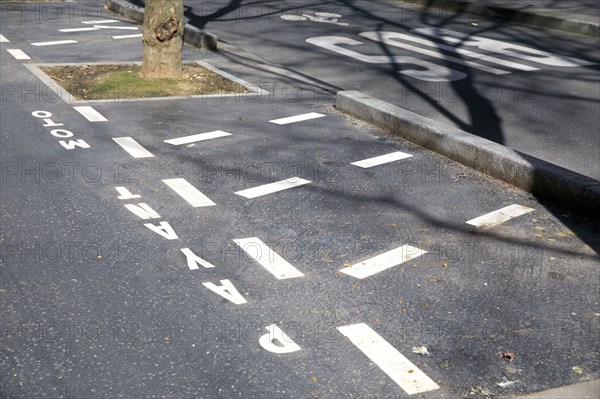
(127, 36)
(383, 261)
(188, 192)
(54, 43)
(197, 137)
(394, 156)
(18, 54)
(77, 30)
(297, 118)
(272, 187)
(90, 114)
(267, 258)
(133, 147)
(401, 370)
(3, 39)
(500, 216)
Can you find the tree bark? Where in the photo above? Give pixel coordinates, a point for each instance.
(163, 39)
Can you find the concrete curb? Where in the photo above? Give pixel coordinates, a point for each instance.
(538, 18)
(191, 35)
(541, 178)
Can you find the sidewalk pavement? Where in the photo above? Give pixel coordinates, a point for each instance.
(582, 17)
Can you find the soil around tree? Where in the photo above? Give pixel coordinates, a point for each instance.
(114, 81)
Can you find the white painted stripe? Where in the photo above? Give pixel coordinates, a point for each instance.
(383, 261)
(500, 216)
(116, 27)
(380, 36)
(401, 370)
(267, 258)
(102, 21)
(394, 156)
(133, 147)
(127, 36)
(77, 30)
(188, 192)
(3, 39)
(18, 54)
(272, 187)
(90, 114)
(297, 118)
(197, 137)
(54, 43)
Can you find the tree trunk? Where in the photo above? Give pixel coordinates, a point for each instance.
(163, 39)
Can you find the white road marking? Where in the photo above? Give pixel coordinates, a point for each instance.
(272, 187)
(133, 147)
(197, 137)
(383, 261)
(394, 156)
(500, 216)
(77, 30)
(4, 39)
(267, 258)
(18, 54)
(54, 43)
(194, 260)
(116, 27)
(387, 38)
(127, 36)
(188, 192)
(297, 118)
(284, 343)
(102, 21)
(90, 114)
(125, 194)
(401, 370)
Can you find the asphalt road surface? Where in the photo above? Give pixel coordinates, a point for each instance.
(533, 90)
(313, 256)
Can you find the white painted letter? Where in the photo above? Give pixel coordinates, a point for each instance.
(287, 345)
(193, 260)
(142, 210)
(74, 143)
(431, 72)
(227, 291)
(126, 194)
(164, 229)
(41, 114)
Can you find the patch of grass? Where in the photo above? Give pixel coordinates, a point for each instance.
(96, 82)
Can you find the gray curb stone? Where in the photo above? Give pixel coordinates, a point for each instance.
(539, 19)
(191, 35)
(540, 178)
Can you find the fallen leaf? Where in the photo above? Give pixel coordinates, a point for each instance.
(577, 369)
(510, 356)
(314, 379)
(422, 350)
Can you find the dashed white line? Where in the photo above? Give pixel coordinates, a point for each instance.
(297, 118)
(18, 54)
(102, 21)
(401, 370)
(394, 156)
(383, 261)
(188, 192)
(272, 187)
(4, 39)
(197, 137)
(133, 147)
(127, 36)
(267, 258)
(77, 30)
(54, 43)
(90, 114)
(500, 216)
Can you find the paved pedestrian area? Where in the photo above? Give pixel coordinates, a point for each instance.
(266, 245)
